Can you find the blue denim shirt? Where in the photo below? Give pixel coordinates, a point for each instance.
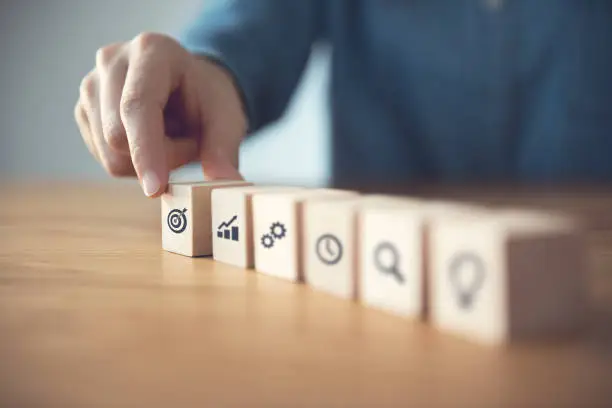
(444, 90)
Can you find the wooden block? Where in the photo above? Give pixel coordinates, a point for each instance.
(331, 242)
(232, 223)
(277, 220)
(394, 253)
(508, 276)
(186, 217)
(329, 246)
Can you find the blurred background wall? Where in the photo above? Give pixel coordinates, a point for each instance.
(47, 46)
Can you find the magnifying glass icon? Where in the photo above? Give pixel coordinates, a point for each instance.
(386, 260)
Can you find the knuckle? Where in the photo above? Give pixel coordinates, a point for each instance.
(131, 102)
(146, 40)
(88, 86)
(105, 55)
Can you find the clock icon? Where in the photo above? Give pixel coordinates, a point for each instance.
(329, 249)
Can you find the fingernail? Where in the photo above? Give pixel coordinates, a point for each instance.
(150, 183)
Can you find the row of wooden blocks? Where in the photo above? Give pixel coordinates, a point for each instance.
(492, 275)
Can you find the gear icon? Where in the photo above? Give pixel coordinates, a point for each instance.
(278, 230)
(267, 241)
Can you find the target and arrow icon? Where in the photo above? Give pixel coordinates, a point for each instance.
(177, 220)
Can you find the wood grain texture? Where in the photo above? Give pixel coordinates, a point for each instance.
(93, 313)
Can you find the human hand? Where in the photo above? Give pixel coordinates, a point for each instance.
(149, 106)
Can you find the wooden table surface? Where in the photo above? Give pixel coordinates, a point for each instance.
(94, 314)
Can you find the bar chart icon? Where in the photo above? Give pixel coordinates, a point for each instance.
(228, 231)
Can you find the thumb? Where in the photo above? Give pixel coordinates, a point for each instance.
(223, 122)
(219, 154)
(216, 165)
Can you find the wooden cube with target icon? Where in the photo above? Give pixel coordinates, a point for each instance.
(186, 216)
(507, 276)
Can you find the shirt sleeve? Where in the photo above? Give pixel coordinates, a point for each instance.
(264, 44)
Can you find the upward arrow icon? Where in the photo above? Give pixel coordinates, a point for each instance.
(228, 223)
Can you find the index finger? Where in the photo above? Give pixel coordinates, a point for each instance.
(151, 77)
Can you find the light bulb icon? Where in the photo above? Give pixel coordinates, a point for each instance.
(466, 274)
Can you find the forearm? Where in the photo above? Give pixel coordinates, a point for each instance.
(263, 43)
